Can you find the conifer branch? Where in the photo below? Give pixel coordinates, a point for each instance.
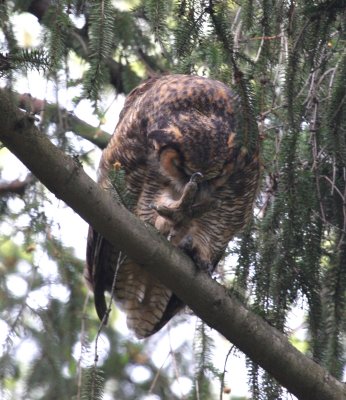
(248, 129)
(79, 41)
(100, 44)
(23, 58)
(83, 347)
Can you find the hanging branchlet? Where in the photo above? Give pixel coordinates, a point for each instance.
(57, 36)
(189, 35)
(24, 59)
(157, 12)
(337, 114)
(92, 384)
(205, 369)
(247, 128)
(100, 47)
(333, 314)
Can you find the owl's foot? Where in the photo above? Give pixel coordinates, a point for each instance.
(183, 208)
(203, 265)
(187, 246)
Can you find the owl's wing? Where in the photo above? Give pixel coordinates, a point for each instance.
(100, 257)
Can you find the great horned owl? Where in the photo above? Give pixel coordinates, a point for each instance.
(188, 173)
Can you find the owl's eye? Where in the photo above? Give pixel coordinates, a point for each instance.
(176, 162)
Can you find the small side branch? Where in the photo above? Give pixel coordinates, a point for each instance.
(16, 187)
(53, 113)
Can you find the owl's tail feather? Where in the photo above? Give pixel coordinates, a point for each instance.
(147, 303)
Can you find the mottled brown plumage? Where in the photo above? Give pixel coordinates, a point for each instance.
(188, 173)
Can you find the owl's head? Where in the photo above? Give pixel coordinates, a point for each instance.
(183, 151)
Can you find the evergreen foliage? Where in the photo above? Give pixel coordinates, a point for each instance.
(286, 62)
(205, 371)
(117, 178)
(100, 45)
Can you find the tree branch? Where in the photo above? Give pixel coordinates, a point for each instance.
(17, 186)
(52, 113)
(209, 300)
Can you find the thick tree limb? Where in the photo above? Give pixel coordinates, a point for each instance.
(209, 300)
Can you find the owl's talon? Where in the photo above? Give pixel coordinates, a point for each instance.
(196, 177)
(203, 265)
(171, 235)
(186, 245)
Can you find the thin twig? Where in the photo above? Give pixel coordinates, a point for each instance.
(83, 343)
(334, 187)
(262, 38)
(175, 366)
(153, 384)
(259, 50)
(17, 186)
(103, 322)
(315, 158)
(7, 342)
(330, 224)
(224, 372)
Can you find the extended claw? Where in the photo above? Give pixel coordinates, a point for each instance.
(196, 177)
